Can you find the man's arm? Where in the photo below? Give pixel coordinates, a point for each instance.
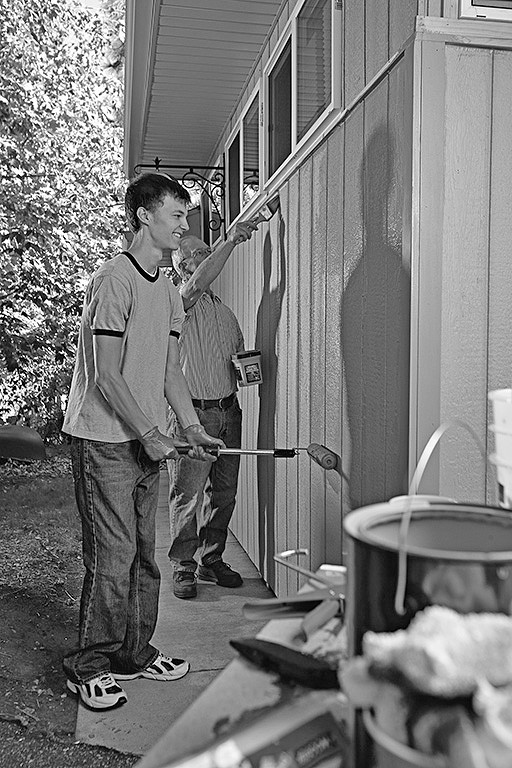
(213, 265)
(178, 397)
(107, 359)
(176, 388)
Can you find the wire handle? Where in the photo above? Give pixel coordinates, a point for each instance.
(282, 557)
(413, 490)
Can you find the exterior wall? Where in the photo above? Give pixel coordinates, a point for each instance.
(392, 237)
(324, 290)
(461, 301)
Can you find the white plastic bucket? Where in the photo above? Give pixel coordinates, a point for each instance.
(501, 404)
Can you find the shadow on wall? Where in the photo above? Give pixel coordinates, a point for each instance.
(267, 323)
(375, 323)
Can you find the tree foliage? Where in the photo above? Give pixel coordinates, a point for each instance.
(61, 189)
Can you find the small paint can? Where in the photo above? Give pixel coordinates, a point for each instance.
(248, 367)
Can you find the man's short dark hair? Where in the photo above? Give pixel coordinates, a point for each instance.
(148, 191)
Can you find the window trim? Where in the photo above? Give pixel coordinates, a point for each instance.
(290, 31)
(238, 129)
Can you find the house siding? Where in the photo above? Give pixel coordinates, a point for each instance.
(379, 295)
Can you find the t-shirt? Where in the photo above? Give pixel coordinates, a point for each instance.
(211, 334)
(124, 300)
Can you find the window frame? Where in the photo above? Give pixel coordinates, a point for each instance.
(290, 32)
(238, 130)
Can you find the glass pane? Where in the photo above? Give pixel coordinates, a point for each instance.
(251, 178)
(313, 63)
(234, 178)
(280, 110)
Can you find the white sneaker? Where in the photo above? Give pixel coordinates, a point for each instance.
(163, 668)
(101, 692)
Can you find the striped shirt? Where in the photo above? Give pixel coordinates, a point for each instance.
(210, 335)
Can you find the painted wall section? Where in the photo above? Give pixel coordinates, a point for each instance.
(462, 205)
(323, 291)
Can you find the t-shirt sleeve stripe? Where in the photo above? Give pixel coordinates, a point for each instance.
(105, 332)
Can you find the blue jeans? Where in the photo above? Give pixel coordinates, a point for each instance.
(195, 526)
(116, 487)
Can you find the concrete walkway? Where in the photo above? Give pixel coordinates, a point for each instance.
(198, 630)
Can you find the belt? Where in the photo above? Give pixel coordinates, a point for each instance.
(223, 403)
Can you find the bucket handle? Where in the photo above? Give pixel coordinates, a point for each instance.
(413, 490)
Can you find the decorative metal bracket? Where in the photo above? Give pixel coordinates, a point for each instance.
(213, 185)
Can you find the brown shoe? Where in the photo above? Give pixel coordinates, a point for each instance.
(184, 584)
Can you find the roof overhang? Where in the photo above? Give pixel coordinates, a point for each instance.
(187, 62)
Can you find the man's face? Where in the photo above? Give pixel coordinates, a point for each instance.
(191, 253)
(167, 223)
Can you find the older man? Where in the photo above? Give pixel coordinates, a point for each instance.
(210, 335)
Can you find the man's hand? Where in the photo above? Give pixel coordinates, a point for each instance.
(196, 438)
(241, 232)
(158, 446)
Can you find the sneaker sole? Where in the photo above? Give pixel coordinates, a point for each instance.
(189, 595)
(74, 688)
(167, 678)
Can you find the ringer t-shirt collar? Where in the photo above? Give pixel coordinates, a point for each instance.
(140, 270)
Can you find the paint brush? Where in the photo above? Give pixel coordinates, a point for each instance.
(266, 211)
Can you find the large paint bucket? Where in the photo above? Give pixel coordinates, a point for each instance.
(501, 407)
(458, 555)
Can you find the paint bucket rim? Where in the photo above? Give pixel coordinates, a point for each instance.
(382, 514)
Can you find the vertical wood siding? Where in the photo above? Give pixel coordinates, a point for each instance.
(465, 282)
(327, 285)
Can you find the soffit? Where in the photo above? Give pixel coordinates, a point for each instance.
(187, 63)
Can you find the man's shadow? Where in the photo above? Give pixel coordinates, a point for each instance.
(375, 336)
(267, 323)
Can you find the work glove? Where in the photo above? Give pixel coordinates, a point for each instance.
(198, 439)
(158, 446)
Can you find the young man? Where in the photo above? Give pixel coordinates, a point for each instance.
(211, 334)
(127, 366)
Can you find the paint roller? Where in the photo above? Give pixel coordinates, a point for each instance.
(321, 455)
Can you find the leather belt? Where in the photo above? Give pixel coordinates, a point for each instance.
(223, 403)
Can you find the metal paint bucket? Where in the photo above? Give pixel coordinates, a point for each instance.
(458, 555)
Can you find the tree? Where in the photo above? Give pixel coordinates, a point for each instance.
(61, 189)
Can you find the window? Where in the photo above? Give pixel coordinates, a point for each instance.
(251, 152)
(234, 178)
(243, 159)
(300, 79)
(313, 63)
(500, 10)
(280, 109)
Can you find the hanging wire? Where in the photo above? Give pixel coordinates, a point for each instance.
(413, 490)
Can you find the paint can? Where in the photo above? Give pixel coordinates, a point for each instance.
(501, 406)
(411, 552)
(248, 367)
(453, 554)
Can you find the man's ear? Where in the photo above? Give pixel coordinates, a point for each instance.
(142, 215)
